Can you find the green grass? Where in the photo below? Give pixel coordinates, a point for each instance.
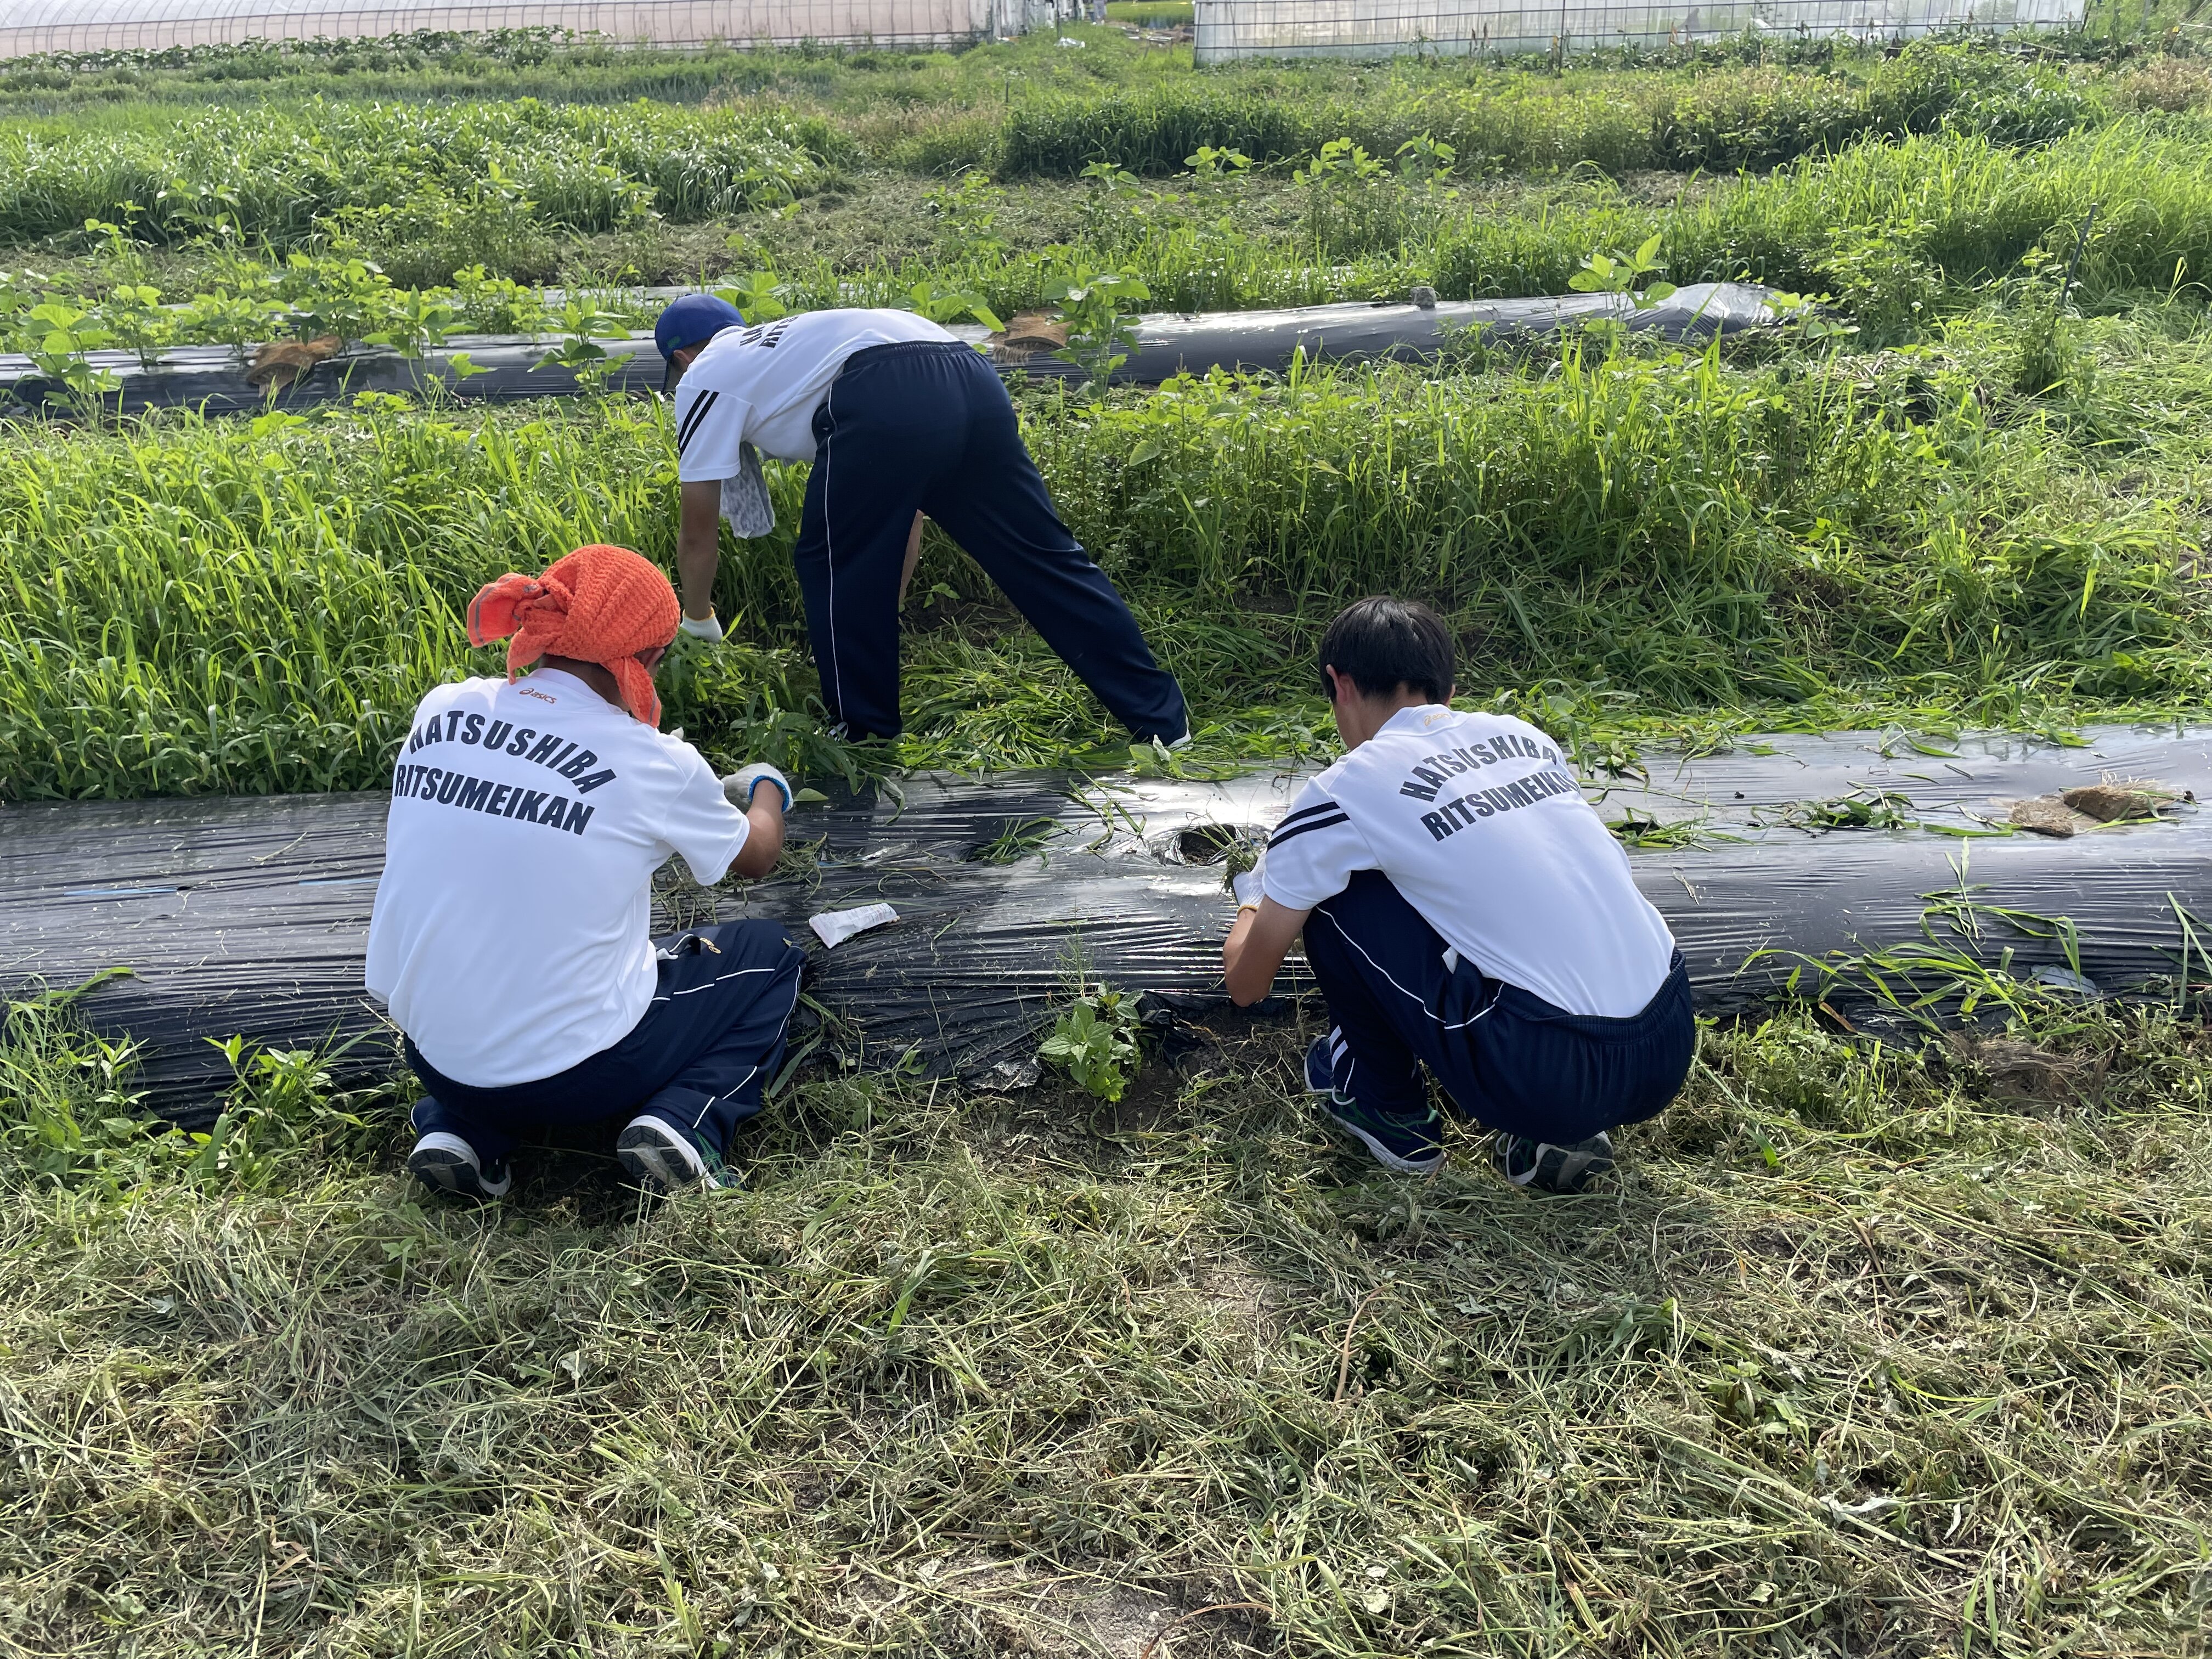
(1899, 233)
(1151, 14)
(1860, 1350)
(275, 177)
(274, 170)
(1658, 538)
(1864, 1350)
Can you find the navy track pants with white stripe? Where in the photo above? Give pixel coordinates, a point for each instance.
(707, 1046)
(1508, 1058)
(928, 425)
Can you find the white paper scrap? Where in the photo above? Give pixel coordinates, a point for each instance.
(833, 927)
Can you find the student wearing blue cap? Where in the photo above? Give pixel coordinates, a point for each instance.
(900, 419)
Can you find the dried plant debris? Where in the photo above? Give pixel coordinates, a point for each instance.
(2116, 800)
(2049, 815)
(2091, 805)
(279, 363)
(1031, 332)
(2020, 1070)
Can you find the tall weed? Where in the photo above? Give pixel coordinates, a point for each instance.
(204, 606)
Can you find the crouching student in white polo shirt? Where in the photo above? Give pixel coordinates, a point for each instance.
(511, 935)
(1465, 909)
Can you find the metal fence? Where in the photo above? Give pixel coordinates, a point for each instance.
(1378, 28)
(33, 26)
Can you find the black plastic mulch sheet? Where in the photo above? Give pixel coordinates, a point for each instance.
(249, 916)
(213, 377)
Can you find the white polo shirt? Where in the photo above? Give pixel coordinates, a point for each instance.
(762, 385)
(1481, 827)
(511, 932)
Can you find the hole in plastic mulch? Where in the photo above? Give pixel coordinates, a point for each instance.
(1206, 843)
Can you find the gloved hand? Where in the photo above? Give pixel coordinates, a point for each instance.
(1248, 886)
(737, 788)
(708, 627)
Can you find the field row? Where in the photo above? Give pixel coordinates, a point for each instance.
(280, 173)
(1896, 234)
(254, 606)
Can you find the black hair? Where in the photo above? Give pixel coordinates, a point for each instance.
(1382, 643)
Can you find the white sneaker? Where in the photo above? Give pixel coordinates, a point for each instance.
(657, 1154)
(450, 1164)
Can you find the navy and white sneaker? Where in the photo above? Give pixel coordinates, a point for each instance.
(656, 1153)
(1321, 1063)
(1405, 1144)
(452, 1165)
(1567, 1168)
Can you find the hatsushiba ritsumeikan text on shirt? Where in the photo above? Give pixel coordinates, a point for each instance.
(449, 787)
(1425, 782)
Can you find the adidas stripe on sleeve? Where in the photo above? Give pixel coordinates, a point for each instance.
(710, 433)
(1315, 850)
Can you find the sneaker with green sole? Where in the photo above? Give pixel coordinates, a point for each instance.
(1406, 1145)
(1568, 1168)
(654, 1152)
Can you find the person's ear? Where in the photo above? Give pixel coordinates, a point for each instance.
(1335, 681)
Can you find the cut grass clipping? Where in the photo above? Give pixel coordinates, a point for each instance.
(1861, 1351)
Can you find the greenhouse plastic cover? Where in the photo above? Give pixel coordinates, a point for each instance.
(249, 916)
(213, 377)
(1365, 28)
(30, 27)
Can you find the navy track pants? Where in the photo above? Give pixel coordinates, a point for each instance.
(1508, 1058)
(708, 1044)
(928, 425)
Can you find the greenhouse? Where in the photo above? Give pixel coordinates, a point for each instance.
(1355, 28)
(35, 27)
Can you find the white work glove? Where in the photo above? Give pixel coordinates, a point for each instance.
(737, 788)
(1248, 886)
(708, 627)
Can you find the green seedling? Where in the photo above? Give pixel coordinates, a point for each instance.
(1340, 161)
(760, 296)
(1426, 160)
(1095, 1043)
(133, 317)
(1095, 304)
(1624, 273)
(56, 337)
(418, 322)
(1211, 162)
(943, 305)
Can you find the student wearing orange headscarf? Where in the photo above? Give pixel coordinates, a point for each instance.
(511, 936)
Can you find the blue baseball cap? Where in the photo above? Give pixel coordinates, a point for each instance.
(692, 321)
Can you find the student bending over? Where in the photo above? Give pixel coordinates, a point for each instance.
(510, 935)
(1463, 909)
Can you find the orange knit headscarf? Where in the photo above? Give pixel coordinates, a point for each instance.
(598, 603)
